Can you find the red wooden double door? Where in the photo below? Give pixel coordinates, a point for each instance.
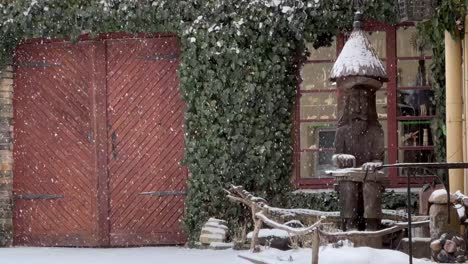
(98, 143)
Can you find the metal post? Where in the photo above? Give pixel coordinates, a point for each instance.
(410, 240)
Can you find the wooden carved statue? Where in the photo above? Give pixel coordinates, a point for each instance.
(359, 138)
(359, 132)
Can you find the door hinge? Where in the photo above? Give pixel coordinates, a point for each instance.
(161, 57)
(39, 196)
(35, 64)
(165, 193)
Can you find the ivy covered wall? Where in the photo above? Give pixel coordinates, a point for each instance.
(239, 74)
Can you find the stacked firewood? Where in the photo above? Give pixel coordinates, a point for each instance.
(449, 249)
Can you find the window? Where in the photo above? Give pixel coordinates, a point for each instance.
(405, 105)
(416, 104)
(317, 113)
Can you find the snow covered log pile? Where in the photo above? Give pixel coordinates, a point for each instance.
(440, 204)
(449, 249)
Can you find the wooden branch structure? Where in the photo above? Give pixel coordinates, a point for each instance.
(239, 194)
(386, 214)
(261, 213)
(291, 230)
(370, 234)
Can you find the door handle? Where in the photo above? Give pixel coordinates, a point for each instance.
(114, 145)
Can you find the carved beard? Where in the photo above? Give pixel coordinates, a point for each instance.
(358, 127)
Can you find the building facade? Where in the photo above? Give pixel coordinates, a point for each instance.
(405, 106)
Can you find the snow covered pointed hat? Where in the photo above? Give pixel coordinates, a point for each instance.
(358, 58)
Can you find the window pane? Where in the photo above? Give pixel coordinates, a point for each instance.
(323, 53)
(314, 164)
(415, 156)
(315, 76)
(379, 43)
(317, 135)
(414, 73)
(381, 103)
(415, 133)
(318, 106)
(416, 103)
(408, 44)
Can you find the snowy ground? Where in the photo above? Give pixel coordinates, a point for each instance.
(174, 255)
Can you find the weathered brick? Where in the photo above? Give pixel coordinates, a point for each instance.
(6, 222)
(5, 186)
(6, 213)
(5, 124)
(5, 137)
(6, 166)
(7, 68)
(5, 195)
(7, 74)
(6, 95)
(6, 238)
(6, 112)
(6, 156)
(6, 107)
(5, 101)
(6, 82)
(6, 204)
(5, 87)
(6, 174)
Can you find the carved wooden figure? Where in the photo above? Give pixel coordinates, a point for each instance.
(359, 138)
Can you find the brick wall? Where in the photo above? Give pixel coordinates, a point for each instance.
(6, 155)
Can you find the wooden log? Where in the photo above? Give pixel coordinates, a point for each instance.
(296, 231)
(370, 234)
(350, 204)
(315, 247)
(258, 224)
(461, 198)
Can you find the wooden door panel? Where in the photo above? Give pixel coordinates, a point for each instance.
(55, 187)
(145, 117)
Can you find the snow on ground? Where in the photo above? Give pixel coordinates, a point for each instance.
(176, 255)
(330, 255)
(152, 255)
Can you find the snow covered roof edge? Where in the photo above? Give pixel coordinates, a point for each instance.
(358, 58)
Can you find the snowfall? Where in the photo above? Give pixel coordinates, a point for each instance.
(179, 255)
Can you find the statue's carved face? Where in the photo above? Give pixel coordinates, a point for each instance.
(358, 103)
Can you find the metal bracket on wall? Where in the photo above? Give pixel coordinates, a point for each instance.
(39, 196)
(165, 193)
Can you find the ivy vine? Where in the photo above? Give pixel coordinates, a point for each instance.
(239, 72)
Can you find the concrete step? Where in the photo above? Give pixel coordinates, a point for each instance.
(421, 247)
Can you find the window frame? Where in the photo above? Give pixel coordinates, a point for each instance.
(392, 118)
